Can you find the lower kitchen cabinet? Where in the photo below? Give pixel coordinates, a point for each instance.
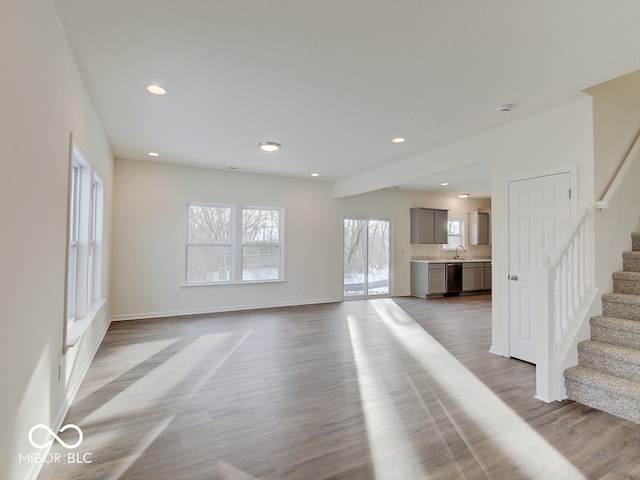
(427, 279)
(472, 276)
(437, 279)
(487, 276)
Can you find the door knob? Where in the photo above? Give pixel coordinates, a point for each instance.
(513, 277)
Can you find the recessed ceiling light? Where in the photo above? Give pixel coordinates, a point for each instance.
(506, 108)
(156, 89)
(154, 154)
(463, 195)
(399, 140)
(315, 174)
(269, 146)
(444, 184)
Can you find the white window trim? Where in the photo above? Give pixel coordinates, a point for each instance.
(84, 256)
(236, 246)
(463, 234)
(240, 244)
(232, 227)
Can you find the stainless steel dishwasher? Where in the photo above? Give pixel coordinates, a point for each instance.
(453, 279)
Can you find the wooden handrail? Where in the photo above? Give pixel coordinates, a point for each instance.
(620, 176)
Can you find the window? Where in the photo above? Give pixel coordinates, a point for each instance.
(209, 244)
(455, 233)
(95, 240)
(367, 256)
(261, 252)
(214, 246)
(74, 234)
(84, 263)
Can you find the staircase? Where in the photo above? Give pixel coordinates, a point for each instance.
(607, 376)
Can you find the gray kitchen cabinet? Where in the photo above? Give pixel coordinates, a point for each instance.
(487, 276)
(427, 279)
(479, 228)
(472, 276)
(437, 278)
(429, 225)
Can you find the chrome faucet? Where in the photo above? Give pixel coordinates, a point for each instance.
(457, 254)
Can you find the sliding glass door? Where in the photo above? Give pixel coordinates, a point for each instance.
(366, 257)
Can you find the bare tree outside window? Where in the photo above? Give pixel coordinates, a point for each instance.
(209, 244)
(261, 244)
(455, 232)
(366, 256)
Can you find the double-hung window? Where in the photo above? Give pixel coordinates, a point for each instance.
(84, 263)
(95, 240)
(209, 242)
(74, 240)
(261, 250)
(455, 232)
(230, 245)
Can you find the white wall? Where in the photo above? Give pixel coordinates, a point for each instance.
(556, 140)
(616, 106)
(559, 139)
(150, 232)
(149, 237)
(43, 100)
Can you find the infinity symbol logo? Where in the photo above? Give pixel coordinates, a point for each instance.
(55, 437)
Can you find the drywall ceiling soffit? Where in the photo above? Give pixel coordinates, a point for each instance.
(333, 81)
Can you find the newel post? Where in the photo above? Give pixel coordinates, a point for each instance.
(543, 334)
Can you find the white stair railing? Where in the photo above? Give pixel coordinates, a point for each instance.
(565, 291)
(631, 157)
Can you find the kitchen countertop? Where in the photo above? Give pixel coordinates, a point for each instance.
(452, 260)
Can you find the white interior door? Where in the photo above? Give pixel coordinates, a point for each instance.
(539, 216)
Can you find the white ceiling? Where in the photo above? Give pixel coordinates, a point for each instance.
(334, 81)
(474, 180)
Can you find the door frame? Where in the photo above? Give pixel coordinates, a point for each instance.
(573, 209)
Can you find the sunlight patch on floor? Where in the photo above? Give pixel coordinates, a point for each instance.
(203, 357)
(391, 450)
(118, 361)
(471, 406)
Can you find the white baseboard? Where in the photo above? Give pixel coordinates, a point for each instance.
(497, 351)
(206, 311)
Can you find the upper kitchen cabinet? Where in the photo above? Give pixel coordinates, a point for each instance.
(479, 228)
(429, 225)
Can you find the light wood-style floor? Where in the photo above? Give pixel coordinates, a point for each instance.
(380, 389)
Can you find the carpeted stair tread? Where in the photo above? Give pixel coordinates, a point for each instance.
(635, 276)
(622, 305)
(631, 261)
(607, 376)
(615, 360)
(626, 282)
(610, 394)
(621, 298)
(616, 331)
